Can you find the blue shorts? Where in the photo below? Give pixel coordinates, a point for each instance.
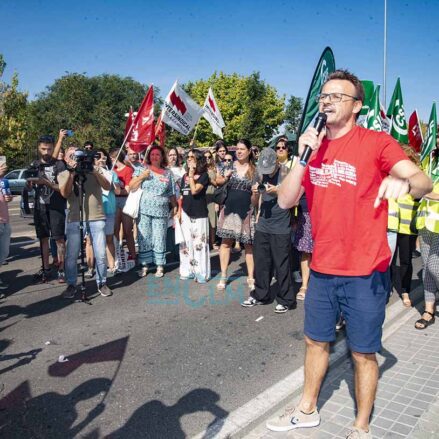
(361, 299)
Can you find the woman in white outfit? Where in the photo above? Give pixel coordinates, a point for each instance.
(194, 220)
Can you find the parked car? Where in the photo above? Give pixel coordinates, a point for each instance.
(17, 182)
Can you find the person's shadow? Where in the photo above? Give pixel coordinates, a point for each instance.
(50, 414)
(157, 420)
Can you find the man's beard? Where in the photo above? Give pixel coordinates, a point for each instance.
(46, 157)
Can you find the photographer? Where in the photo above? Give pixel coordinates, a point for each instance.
(49, 210)
(272, 242)
(81, 170)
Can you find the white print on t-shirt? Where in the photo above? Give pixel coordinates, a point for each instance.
(333, 174)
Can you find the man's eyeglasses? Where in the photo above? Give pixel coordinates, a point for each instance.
(228, 160)
(334, 97)
(279, 148)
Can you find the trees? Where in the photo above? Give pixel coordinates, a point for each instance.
(293, 113)
(250, 108)
(93, 107)
(13, 120)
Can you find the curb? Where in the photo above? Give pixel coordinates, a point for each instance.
(253, 413)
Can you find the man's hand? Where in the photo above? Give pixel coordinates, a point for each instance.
(228, 173)
(62, 134)
(391, 187)
(3, 169)
(312, 139)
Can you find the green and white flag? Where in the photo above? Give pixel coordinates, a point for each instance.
(373, 118)
(398, 126)
(369, 88)
(324, 68)
(429, 143)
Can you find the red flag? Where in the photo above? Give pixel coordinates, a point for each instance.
(112, 351)
(160, 131)
(142, 134)
(129, 121)
(415, 133)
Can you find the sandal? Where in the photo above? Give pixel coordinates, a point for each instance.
(406, 300)
(221, 285)
(143, 272)
(251, 283)
(423, 322)
(159, 272)
(301, 294)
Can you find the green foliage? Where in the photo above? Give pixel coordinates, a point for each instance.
(250, 108)
(13, 120)
(293, 113)
(93, 107)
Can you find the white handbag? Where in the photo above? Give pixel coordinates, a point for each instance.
(132, 204)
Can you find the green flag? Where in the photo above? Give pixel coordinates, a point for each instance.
(373, 119)
(369, 88)
(398, 127)
(429, 143)
(324, 68)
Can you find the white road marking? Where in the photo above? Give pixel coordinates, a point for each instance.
(259, 319)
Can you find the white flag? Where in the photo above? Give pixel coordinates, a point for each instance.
(213, 115)
(180, 111)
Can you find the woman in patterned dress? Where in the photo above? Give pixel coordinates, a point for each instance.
(236, 220)
(158, 192)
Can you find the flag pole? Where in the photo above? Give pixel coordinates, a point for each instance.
(385, 53)
(123, 144)
(195, 133)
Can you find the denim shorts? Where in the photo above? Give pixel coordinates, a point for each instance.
(109, 224)
(120, 202)
(361, 299)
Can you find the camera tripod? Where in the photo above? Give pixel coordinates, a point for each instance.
(79, 181)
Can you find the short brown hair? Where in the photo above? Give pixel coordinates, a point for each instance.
(346, 75)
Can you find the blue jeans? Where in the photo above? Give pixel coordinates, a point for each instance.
(96, 230)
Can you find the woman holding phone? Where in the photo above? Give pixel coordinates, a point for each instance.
(236, 220)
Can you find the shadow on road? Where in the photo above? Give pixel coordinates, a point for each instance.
(155, 419)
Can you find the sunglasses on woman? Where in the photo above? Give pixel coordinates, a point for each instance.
(278, 148)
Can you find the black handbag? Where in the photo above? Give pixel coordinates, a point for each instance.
(220, 194)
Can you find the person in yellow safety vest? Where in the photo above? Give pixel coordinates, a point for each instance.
(427, 223)
(406, 209)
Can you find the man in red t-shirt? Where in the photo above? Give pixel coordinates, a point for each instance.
(351, 172)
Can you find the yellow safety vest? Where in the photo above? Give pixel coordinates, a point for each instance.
(392, 219)
(428, 213)
(407, 208)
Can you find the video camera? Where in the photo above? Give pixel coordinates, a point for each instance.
(85, 161)
(34, 170)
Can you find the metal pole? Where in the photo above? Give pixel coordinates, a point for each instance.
(385, 53)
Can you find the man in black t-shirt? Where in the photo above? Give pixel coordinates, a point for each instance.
(272, 242)
(49, 210)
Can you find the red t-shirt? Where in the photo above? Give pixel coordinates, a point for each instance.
(341, 184)
(125, 175)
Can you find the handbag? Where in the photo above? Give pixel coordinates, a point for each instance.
(220, 194)
(132, 204)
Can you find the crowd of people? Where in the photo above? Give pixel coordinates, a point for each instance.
(326, 220)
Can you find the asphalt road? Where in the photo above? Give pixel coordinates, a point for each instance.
(161, 358)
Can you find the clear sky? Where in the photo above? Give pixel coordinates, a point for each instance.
(159, 41)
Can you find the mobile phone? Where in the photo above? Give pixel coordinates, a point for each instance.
(2, 159)
(69, 133)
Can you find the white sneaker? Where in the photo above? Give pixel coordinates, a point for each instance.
(251, 301)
